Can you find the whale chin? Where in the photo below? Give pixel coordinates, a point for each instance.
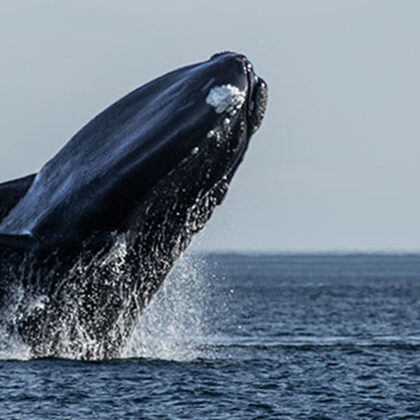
(89, 239)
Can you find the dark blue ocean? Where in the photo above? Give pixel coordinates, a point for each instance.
(249, 337)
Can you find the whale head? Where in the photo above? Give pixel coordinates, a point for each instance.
(195, 121)
(104, 220)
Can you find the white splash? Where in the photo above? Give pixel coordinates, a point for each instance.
(175, 324)
(225, 98)
(11, 348)
(38, 303)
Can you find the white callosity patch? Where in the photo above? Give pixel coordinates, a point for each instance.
(225, 98)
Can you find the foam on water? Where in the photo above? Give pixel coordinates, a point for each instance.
(11, 348)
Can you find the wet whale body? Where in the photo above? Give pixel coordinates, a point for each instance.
(86, 242)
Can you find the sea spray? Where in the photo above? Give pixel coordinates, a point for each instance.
(180, 317)
(181, 323)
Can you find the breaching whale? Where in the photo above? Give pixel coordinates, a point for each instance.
(87, 241)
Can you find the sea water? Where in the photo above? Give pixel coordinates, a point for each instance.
(248, 336)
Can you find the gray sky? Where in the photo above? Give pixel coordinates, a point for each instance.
(335, 165)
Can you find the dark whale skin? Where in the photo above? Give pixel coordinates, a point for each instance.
(134, 184)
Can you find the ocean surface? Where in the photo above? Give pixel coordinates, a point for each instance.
(235, 336)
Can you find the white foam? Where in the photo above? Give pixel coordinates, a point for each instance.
(225, 98)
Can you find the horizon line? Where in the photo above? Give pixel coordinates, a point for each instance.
(337, 252)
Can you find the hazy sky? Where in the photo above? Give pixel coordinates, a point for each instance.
(335, 165)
